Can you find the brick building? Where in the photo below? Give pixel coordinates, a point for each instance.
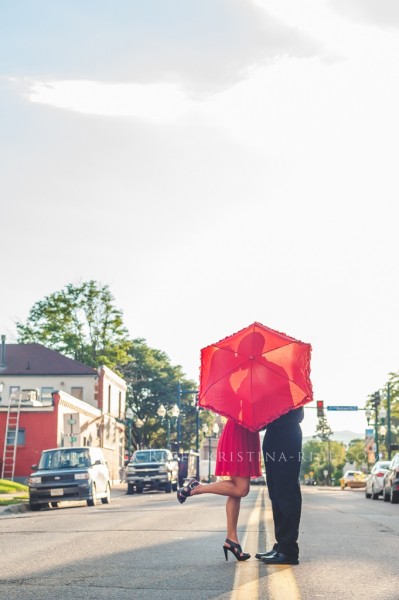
(62, 403)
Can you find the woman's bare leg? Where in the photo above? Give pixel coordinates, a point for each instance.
(237, 487)
(232, 512)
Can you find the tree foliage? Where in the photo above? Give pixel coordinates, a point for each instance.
(80, 322)
(323, 430)
(83, 323)
(152, 380)
(319, 456)
(356, 455)
(389, 390)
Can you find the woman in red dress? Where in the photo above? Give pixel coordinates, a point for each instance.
(238, 458)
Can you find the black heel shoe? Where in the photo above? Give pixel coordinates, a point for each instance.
(185, 492)
(236, 550)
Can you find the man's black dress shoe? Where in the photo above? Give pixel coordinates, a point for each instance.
(260, 555)
(278, 558)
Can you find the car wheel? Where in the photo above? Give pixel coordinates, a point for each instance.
(107, 497)
(168, 487)
(374, 496)
(130, 489)
(367, 494)
(394, 497)
(35, 506)
(174, 487)
(92, 501)
(139, 489)
(385, 496)
(54, 504)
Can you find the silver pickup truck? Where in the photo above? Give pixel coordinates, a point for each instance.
(154, 469)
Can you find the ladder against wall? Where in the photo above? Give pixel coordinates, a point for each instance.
(11, 438)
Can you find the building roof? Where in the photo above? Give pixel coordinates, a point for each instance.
(35, 359)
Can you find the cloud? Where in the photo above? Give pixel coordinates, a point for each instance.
(154, 102)
(208, 45)
(382, 13)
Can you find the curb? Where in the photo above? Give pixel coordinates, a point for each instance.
(14, 509)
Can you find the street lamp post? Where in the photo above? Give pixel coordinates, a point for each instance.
(382, 415)
(215, 431)
(379, 428)
(139, 424)
(180, 393)
(389, 421)
(129, 418)
(173, 413)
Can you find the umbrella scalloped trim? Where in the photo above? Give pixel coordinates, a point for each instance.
(273, 417)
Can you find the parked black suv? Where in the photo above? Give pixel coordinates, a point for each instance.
(152, 469)
(69, 474)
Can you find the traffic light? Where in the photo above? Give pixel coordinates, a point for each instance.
(375, 400)
(320, 408)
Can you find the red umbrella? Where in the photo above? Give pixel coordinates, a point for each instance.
(255, 376)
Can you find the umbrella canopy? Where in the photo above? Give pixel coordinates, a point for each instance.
(255, 376)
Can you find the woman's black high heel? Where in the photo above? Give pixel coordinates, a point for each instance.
(236, 550)
(185, 492)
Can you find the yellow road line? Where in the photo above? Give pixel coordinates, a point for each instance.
(246, 580)
(281, 581)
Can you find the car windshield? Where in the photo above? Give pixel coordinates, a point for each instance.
(69, 458)
(150, 456)
(383, 465)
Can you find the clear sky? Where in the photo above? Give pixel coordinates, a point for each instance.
(216, 163)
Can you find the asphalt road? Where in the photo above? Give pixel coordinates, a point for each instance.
(149, 547)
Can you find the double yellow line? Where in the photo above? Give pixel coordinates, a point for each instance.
(281, 582)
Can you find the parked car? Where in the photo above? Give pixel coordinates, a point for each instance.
(353, 479)
(261, 480)
(375, 480)
(188, 466)
(391, 482)
(79, 473)
(154, 469)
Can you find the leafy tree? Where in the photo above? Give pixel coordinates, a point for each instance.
(323, 430)
(356, 454)
(390, 388)
(152, 380)
(81, 322)
(323, 454)
(318, 456)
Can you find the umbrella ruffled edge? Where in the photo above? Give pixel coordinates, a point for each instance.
(275, 416)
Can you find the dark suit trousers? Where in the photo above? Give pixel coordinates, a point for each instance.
(282, 455)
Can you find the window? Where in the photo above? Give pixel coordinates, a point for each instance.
(64, 459)
(77, 392)
(14, 391)
(109, 399)
(20, 438)
(46, 394)
(120, 405)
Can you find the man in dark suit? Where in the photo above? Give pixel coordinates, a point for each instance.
(282, 446)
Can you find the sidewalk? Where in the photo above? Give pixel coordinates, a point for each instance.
(13, 508)
(118, 489)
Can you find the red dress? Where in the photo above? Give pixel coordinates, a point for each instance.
(238, 452)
